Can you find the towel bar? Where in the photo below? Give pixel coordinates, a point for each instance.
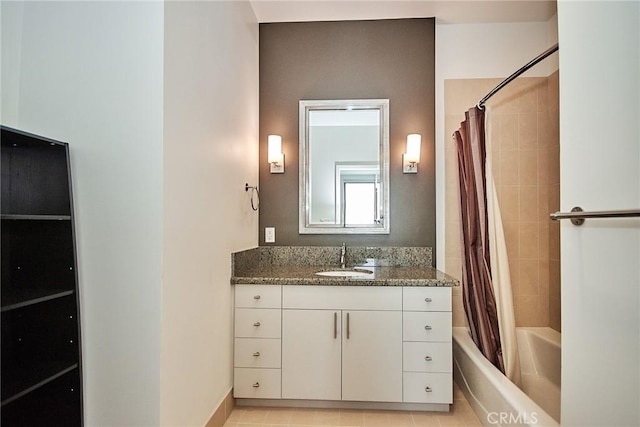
(577, 215)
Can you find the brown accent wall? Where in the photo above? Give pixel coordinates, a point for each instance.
(392, 59)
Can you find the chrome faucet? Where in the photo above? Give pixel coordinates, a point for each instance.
(343, 253)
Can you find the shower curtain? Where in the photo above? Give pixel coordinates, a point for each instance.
(500, 274)
(477, 290)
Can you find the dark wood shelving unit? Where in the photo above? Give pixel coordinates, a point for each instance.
(39, 304)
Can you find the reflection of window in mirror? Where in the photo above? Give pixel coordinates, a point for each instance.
(357, 193)
(360, 203)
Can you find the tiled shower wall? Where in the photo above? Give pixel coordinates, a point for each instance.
(523, 130)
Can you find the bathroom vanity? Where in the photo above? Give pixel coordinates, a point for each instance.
(379, 338)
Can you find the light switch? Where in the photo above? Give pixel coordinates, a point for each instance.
(270, 234)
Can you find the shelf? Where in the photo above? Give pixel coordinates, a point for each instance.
(14, 217)
(37, 378)
(38, 341)
(37, 255)
(35, 175)
(54, 403)
(31, 296)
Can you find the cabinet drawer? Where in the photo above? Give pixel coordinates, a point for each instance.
(258, 296)
(342, 297)
(426, 299)
(256, 383)
(257, 353)
(427, 388)
(427, 357)
(426, 326)
(257, 323)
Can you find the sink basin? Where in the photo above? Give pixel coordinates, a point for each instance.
(345, 273)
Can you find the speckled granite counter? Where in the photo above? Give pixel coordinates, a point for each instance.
(297, 265)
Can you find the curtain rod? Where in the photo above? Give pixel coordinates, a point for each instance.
(508, 80)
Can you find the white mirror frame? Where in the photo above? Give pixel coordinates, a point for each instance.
(382, 105)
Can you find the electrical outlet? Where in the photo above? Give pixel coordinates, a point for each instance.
(269, 234)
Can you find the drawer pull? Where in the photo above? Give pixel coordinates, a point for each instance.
(428, 358)
(428, 300)
(256, 354)
(427, 328)
(256, 324)
(256, 297)
(427, 389)
(256, 385)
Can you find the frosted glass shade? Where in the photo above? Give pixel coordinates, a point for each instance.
(413, 148)
(275, 149)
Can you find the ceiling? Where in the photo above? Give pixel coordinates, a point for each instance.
(446, 11)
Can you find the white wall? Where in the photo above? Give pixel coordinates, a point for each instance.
(600, 170)
(470, 51)
(210, 152)
(158, 185)
(91, 74)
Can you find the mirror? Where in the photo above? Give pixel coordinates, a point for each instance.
(344, 166)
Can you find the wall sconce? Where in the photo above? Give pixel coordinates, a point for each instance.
(275, 156)
(411, 158)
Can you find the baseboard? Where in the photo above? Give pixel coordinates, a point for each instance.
(223, 411)
(333, 404)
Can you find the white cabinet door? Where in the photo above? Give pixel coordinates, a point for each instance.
(372, 356)
(311, 354)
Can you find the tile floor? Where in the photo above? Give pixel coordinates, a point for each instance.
(461, 415)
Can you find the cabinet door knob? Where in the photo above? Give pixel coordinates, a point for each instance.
(256, 354)
(256, 385)
(427, 328)
(428, 300)
(428, 358)
(256, 297)
(428, 389)
(256, 324)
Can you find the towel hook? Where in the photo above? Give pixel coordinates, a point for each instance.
(254, 190)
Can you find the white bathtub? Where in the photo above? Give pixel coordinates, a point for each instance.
(495, 399)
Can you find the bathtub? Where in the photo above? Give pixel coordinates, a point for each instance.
(495, 399)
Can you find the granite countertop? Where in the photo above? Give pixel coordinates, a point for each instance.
(299, 265)
(381, 276)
